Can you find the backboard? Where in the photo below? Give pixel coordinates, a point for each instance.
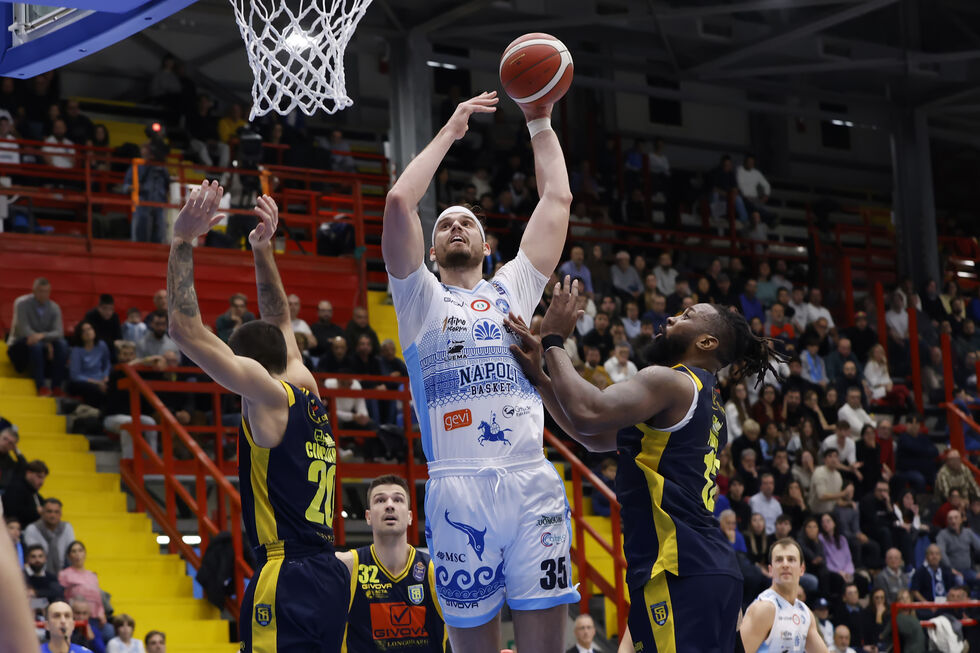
(37, 38)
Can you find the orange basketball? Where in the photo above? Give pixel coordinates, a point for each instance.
(536, 69)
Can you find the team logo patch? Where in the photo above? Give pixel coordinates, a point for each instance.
(457, 419)
(660, 613)
(486, 331)
(474, 537)
(415, 594)
(492, 432)
(480, 305)
(263, 614)
(503, 306)
(419, 572)
(316, 412)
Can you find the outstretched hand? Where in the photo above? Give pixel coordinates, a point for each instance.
(563, 313)
(268, 214)
(529, 352)
(459, 122)
(200, 212)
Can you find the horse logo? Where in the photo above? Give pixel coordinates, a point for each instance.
(492, 431)
(474, 536)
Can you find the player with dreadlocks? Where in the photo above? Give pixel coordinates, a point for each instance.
(668, 424)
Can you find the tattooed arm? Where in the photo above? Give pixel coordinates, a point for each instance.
(273, 307)
(243, 376)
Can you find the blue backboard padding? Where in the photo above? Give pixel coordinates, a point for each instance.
(115, 6)
(81, 38)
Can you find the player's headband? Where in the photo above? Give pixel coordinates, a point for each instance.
(452, 210)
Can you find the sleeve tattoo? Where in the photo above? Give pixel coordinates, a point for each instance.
(180, 281)
(272, 295)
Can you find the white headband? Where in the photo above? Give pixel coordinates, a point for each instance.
(452, 210)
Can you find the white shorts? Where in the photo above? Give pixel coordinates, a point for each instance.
(498, 530)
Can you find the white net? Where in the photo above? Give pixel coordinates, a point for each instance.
(297, 52)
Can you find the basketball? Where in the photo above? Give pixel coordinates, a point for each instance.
(536, 69)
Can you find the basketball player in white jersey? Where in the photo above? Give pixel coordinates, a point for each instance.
(497, 520)
(777, 621)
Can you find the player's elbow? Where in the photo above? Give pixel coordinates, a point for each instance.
(397, 201)
(559, 196)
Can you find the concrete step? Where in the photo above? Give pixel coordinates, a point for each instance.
(33, 422)
(52, 442)
(123, 586)
(149, 611)
(135, 565)
(62, 461)
(27, 404)
(10, 386)
(123, 544)
(74, 481)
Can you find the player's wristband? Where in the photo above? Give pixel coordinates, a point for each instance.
(552, 340)
(538, 125)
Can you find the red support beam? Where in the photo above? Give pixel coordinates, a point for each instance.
(955, 425)
(916, 363)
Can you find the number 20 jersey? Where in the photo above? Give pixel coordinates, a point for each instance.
(288, 491)
(666, 485)
(471, 397)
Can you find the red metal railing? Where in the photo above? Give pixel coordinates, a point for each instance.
(899, 607)
(615, 591)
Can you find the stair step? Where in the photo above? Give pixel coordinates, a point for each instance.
(135, 565)
(105, 524)
(124, 585)
(200, 631)
(39, 405)
(29, 423)
(79, 461)
(53, 442)
(119, 544)
(89, 501)
(156, 610)
(10, 386)
(64, 482)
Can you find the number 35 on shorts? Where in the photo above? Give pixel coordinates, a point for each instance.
(555, 574)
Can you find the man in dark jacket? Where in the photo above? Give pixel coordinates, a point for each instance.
(12, 463)
(104, 320)
(22, 500)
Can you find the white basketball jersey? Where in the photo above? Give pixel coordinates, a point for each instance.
(789, 626)
(471, 397)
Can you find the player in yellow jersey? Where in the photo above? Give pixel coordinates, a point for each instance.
(297, 600)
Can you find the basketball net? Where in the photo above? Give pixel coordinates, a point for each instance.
(297, 56)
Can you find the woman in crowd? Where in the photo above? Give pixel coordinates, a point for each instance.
(868, 453)
(874, 618)
(737, 410)
(767, 409)
(838, 552)
(81, 582)
(803, 470)
(907, 511)
(828, 410)
(815, 559)
(794, 505)
(726, 470)
(757, 542)
(89, 366)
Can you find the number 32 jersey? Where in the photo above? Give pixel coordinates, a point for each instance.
(288, 491)
(471, 397)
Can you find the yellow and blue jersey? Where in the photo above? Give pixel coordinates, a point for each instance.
(666, 485)
(288, 491)
(394, 610)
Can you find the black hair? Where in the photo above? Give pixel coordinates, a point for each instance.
(33, 547)
(36, 466)
(262, 342)
(105, 299)
(755, 355)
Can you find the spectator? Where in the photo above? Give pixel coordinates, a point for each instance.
(12, 462)
(233, 120)
(592, 370)
(104, 320)
(79, 582)
(631, 322)
(849, 614)
(236, 315)
(835, 546)
(22, 500)
(729, 527)
(972, 638)
(782, 472)
(778, 327)
(117, 408)
(359, 326)
(877, 377)
(575, 267)
(724, 293)
(737, 410)
(91, 636)
(205, 142)
(796, 308)
(751, 431)
(845, 446)
(933, 578)
(619, 366)
(337, 358)
(897, 319)
(159, 304)
(726, 471)
(749, 472)
(842, 639)
(165, 88)
(852, 413)
(826, 484)
(352, 412)
(341, 159)
(915, 457)
(324, 330)
(38, 338)
(43, 582)
(156, 642)
(816, 310)
(14, 531)
(584, 635)
(737, 502)
(956, 502)
(79, 127)
(599, 337)
(911, 635)
(157, 341)
(134, 328)
(752, 184)
(724, 189)
(834, 362)
(607, 472)
(954, 475)
(959, 547)
(851, 379)
(51, 533)
(60, 623)
(88, 367)
(124, 642)
(299, 324)
(862, 336)
(767, 409)
(968, 340)
(59, 152)
(757, 542)
(814, 369)
(751, 306)
(814, 557)
(821, 613)
(766, 504)
(625, 279)
(666, 274)
(658, 313)
(893, 578)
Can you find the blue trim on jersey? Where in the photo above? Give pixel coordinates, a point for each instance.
(544, 602)
(417, 382)
(464, 290)
(472, 622)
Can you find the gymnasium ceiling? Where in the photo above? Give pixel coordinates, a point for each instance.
(876, 54)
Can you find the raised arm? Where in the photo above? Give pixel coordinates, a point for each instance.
(238, 374)
(544, 237)
(402, 241)
(273, 307)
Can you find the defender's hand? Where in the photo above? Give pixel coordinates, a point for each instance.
(562, 314)
(268, 215)
(200, 212)
(529, 352)
(459, 122)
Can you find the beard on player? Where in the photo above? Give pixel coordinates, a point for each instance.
(668, 350)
